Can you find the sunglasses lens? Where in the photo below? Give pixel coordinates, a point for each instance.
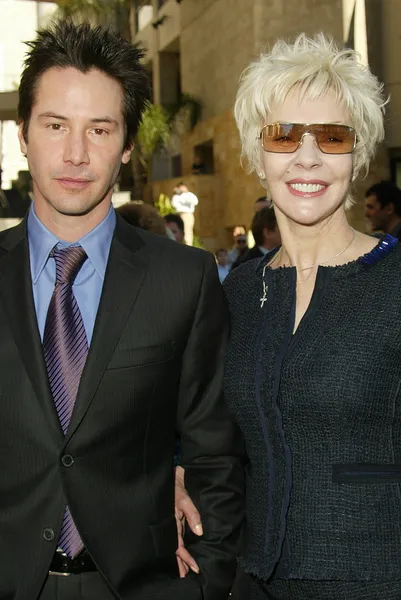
(335, 139)
(281, 137)
(330, 138)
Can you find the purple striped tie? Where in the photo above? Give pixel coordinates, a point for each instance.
(65, 350)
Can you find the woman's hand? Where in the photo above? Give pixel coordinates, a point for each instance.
(185, 511)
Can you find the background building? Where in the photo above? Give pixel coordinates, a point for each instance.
(196, 50)
(200, 47)
(19, 20)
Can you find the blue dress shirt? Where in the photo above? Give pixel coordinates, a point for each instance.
(88, 284)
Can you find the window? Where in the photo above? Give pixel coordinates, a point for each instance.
(143, 13)
(203, 160)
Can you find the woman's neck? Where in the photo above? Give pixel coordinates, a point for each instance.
(304, 246)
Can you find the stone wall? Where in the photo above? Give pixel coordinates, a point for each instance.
(218, 40)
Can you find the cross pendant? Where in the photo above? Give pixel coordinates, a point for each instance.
(263, 299)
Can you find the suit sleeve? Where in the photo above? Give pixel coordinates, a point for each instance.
(212, 447)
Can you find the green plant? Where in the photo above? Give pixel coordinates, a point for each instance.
(197, 242)
(78, 10)
(163, 205)
(98, 12)
(153, 134)
(191, 107)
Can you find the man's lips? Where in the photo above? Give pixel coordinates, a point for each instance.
(73, 182)
(308, 188)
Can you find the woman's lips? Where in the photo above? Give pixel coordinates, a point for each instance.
(307, 189)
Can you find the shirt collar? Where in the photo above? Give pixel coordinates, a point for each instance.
(96, 243)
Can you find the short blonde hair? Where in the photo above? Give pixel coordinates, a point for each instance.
(313, 66)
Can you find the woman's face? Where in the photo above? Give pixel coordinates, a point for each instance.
(288, 174)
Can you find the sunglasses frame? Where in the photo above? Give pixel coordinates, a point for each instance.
(305, 125)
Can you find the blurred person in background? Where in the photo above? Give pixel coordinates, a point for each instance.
(222, 260)
(143, 216)
(262, 202)
(383, 208)
(184, 202)
(265, 232)
(176, 225)
(317, 391)
(4, 206)
(198, 166)
(240, 244)
(15, 202)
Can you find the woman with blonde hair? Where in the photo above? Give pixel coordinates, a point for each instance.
(317, 392)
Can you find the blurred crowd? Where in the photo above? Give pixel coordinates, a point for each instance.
(382, 210)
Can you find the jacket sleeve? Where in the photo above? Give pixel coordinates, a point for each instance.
(212, 447)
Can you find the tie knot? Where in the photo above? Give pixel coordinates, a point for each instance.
(68, 263)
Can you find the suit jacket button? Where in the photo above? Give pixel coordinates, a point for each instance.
(67, 460)
(48, 534)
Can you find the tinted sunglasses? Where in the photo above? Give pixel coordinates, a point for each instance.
(288, 137)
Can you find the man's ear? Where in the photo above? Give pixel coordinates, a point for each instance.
(22, 142)
(127, 154)
(389, 208)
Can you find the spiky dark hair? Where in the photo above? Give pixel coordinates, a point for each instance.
(84, 47)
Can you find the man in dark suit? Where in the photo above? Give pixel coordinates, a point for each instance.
(112, 340)
(266, 234)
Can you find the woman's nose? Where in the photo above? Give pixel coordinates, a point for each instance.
(308, 153)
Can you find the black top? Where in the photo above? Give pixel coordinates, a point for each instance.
(320, 411)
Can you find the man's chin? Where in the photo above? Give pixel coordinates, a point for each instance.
(81, 212)
(71, 208)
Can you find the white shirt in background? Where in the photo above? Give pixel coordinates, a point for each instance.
(223, 272)
(185, 202)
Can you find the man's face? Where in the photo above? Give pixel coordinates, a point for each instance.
(377, 214)
(272, 237)
(222, 258)
(176, 231)
(240, 242)
(75, 143)
(261, 204)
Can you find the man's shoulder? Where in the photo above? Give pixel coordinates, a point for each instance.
(252, 253)
(167, 250)
(11, 236)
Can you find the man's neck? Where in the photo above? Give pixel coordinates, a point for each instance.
(394, 225)
(71, 228)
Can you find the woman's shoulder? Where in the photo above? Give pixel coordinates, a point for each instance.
(383, 261)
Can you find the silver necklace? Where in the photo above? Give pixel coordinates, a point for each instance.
(263, 299)
(324, 262)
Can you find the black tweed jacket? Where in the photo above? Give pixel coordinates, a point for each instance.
(321, 415)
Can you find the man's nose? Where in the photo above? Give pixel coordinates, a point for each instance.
(76, 149)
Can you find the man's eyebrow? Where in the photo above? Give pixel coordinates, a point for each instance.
(52, 115)
(105, 120)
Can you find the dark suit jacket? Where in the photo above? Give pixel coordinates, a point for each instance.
(154, 365)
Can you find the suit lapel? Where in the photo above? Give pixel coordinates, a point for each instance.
(17, 298)
(125, 274)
